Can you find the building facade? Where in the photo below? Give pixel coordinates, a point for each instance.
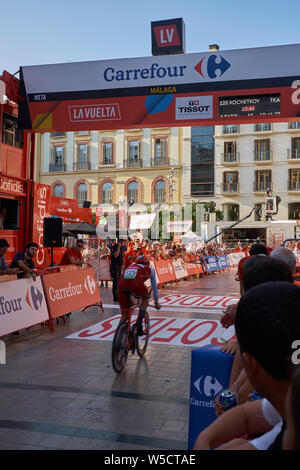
(111, 167)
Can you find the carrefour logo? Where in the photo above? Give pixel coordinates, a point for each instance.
(34, 298)
(214, 64)
(90, 284)
(208, 386)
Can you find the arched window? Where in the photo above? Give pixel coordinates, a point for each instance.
(107, 193)
(133, 191)
(160, 192)
(58, 190)
(82, 193)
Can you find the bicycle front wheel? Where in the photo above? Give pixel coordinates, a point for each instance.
(142, 341)
(119, 347)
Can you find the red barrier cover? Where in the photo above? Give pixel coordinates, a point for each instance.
(165, 271)
(72, 292)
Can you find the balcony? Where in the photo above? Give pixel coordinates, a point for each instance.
(293, 154)
(133, 163)
(107, 162)
(294, 185)
(261, 156)
(230, 158)
(81, 166)
(262, 186)
(55, 167)
(230, 188)
(159, 161)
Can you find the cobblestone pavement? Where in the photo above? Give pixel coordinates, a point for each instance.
(59, 393)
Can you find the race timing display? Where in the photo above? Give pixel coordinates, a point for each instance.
(250, 105)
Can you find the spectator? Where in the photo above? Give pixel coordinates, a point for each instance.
(116, 263)
(4, 269)
(291, 437)
(256, 249)
(104, 253)
(23, 261)
(287, 256)
(272, 308)
(73, 255)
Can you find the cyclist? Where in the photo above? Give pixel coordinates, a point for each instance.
(133, 279)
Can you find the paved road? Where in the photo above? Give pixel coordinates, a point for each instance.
(59, 393)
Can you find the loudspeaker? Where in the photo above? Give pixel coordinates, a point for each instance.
(86, 204)
(52, 232)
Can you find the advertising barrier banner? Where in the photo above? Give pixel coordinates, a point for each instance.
(223, 262)
(22, 304)
(66, 294)
(180, 269)
(165, 271)
(212, 264)
(234, 258)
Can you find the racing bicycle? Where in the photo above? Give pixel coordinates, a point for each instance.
(131, 335)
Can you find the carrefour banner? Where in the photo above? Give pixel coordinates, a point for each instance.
(212, 263)
(168, 90)
(22, 304)
(223, 262)
(72, 292)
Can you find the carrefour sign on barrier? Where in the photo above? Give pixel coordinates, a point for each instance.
(22, 304)
(73, 292)
(164, 90)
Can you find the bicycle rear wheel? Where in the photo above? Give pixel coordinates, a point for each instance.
(142, 341)
(119, 351)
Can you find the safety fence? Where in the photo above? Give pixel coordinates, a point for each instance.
(25, 302)
(174, 270)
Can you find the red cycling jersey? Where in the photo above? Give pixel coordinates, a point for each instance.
(133, 278)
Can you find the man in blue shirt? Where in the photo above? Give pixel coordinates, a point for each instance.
(23, 261)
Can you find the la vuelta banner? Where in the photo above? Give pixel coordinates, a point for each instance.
(242, 85)
(72, 292)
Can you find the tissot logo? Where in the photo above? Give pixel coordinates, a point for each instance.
(208, 386)
(214, 64)
(198, 107)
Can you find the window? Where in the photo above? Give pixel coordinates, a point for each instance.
(160, 192)
(57, 158)
(107, 193)
(9, 214)
(263, 180)
(294, 125)
(262, 127)
(230, 129)
(262, 150)
(294, 211)
(133, 153)
(231, 181)
(294, 180)
(82, 153)
(295, 150)
(202, 168)
(58, 134)
(133, 191)
(230, 155)
(259, 211)
(11, 134)
(160, 151)
(107, 152)
(231, 212)
(82, 193)
(58, 190)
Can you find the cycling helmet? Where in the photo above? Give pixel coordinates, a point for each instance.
(142, 259)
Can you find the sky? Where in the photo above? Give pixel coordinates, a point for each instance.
(35, 32)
